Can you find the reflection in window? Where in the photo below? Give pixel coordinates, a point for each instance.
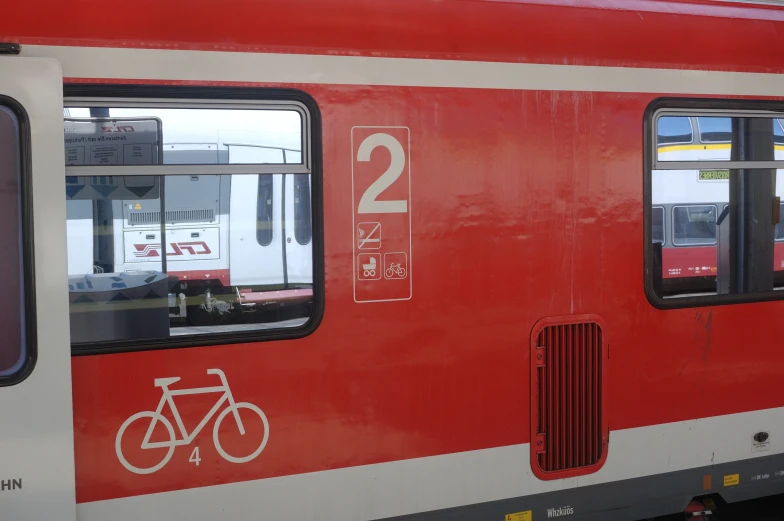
(13, 349)
(694, 225)
(779, 230)
(302, 221)
(715, 130)
(778, 132)
(264, 210)
(673, 129)
(200, 267)
(657, 222)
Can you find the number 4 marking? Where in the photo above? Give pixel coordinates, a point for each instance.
(368, 203)
(195, 457)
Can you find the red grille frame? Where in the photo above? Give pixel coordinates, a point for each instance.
(569, 427)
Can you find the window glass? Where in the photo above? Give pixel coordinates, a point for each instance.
(716, 252)
(657, 216)
(13, 349)
(207, 263)
(694, 225)
(716, 133)
(264, 210)
(302, 222)
(673, 129)
(715, 130)
(123, 136)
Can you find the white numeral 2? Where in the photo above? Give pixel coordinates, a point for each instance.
(368, 203)
(195, 457)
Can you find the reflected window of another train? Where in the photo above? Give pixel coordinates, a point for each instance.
(657, 217)
(264, 206)
(715, 130)
(778, 132)
(302, 222)
(674, 129)
(694, 225)
(13, 348)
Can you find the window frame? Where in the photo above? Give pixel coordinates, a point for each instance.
(27, 247)
(713, 107)
(159, 96)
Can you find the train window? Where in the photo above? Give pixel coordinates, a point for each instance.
(693, 225)
(715, 130)
(657, 220)
(13, 349)
(172, 215)
(672, 130)
(264, 205)
(726, 245)
(302, 222)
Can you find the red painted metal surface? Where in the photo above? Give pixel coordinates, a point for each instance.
(511, 226)
(597, 32)
(569, 425)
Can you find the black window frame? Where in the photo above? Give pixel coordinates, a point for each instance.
(194, 94)
(27, 247)
(649, 153)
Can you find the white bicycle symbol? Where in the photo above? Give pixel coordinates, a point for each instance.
(185, 438)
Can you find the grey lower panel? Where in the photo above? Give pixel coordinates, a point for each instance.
(630, 499)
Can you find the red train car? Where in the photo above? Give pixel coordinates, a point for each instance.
(444, 235)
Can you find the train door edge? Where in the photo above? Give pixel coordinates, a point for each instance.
(36, 406)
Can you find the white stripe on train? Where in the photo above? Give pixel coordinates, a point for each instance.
(156, 64)
(452, 480)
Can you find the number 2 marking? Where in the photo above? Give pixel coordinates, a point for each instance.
(368, 202)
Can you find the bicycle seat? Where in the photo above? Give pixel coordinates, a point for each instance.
(163, 382)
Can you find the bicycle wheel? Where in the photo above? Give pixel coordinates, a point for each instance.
(153, 417)
(389, 273)
(227, 410)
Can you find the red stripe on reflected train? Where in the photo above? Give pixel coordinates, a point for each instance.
(185, 276)
(700, 261)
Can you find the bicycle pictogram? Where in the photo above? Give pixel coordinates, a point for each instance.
(184, 437)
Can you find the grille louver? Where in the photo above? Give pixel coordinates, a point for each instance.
(172, 216)
(568, 422)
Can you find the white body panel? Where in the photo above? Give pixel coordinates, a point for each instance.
(245, 251)
(451, 480)
(299, 257)
(36, 426)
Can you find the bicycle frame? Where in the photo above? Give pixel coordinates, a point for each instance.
(168, 396)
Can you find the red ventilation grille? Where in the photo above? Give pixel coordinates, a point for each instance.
(568, 423)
